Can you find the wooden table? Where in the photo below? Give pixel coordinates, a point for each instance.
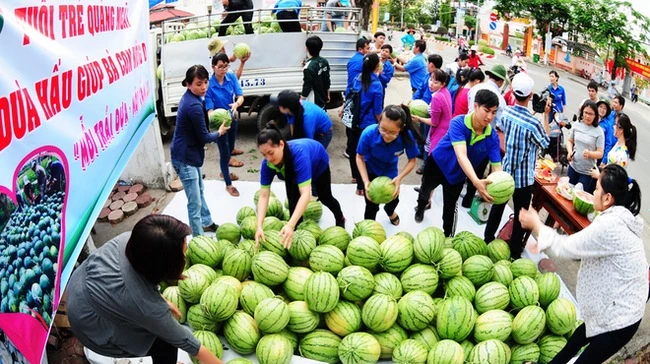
(559, 209)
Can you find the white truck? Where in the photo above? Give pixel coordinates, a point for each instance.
(276, 62)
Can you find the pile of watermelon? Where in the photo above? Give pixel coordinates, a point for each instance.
(335, 298)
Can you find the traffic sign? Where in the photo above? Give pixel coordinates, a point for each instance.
(493, 16)
(493, 25)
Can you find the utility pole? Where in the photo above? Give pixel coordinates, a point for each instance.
(476, 28)
(401, 22)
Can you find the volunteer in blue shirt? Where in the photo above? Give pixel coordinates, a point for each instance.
(388, 69)
(300, 163)
(287, 12)
(355, 64)
(469, 141)
(380, 147)
(416, 66)
(558, 92)
(306, 119)
(408, 40)
(434, 62)
(224, 92)
(371, 94)
(187, 153)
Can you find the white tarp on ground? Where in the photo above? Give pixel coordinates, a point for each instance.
(224, 209)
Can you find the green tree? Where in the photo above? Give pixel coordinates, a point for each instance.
(470, 21)
(545, 12)
(446, 14)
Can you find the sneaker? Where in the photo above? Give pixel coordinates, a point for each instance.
(211, 228)
(419, 215)
(346, 155)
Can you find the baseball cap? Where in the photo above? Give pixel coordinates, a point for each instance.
(522, 84)
(216, 45)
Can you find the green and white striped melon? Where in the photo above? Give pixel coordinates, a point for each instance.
(256, 196)
(272, 223)
(237, 263)
(420, 277)
(269, 268)
(314, 211)
(388, 283)
(211, 342)
(460, 286)
(479, 269)
(302, 244)
(173, 295)
(209, 273)
(275, 208)
(243, 213)
(294, 285)
(252, 294)
(356, 283)
(335, 235)
(524, 353)
(291, 336)
(528, 325)
(407, 235)
(204, 250)
(493, 324)
(379, 312)
(455, 319)
(561, 316)
(198, 318)
(248, 227)
(370, 228)
(224, 247)
(523, 267)
(416, 311)
(301, 318)
(344, 319)
(502, 274)
(274, 349)
(410, 351)
(468, 244)
(326, 258)
(389, 339)
(229, 231)
(549, 288)
(396, 254)
(523, 292)
(549, 347)
(451, 263)
(490, 351)
(321, 292)
(428, 245)
(364, 251)
(242, 333)
(220, 300)
(467, 348)
(273, 242)
(271, 315)
(497, 250)
(312, 227)
(320, 345)
(239, 361)
(191, 288)
(428, 336)
(358, 348)
(446, 352)
(491, 296)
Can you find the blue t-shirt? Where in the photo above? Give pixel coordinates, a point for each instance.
(315, 120)
(372, 100)
(355, 67)
(560, 97)
(479, 147)
(417, 69)
(607, 124)
(310, 161)
(387, 74)
(423, 93)
(381, 157)
(221, 96)
(286, 4)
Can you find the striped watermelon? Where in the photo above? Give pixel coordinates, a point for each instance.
(428, 245)
(273, 242)
(231, 281)
(490, 351)
(204, 250)
(272, 223)
(493, 324)
(498, 250)
(275, 208)
(335, 235)
(237, 263)
(205, 271)
(229, 231)
(364, 251)
(389, 339)
(274, 349)
(407, 235)
(356, 283)
(479, 269)
(224, 247)
(549, 347)
(396, 254)
(467, 348)
(528, 325)
(248, 246)
(245, 212)
(561, 316)
(410, 351)
(370, 228)
(242, 333)
(271, 315)
(387, 283)
(302, 244)
(321, 292)
(379, 312)
(501, 188)
(451, 263)
(523, 267)
(314, 211)
(455, 319)
(358, 348)
(198, 318)
(248, 227)
(491, 296)
(320, 345)
(502, 274)
(524, 353)
(239, 361)
(291, 336)
(286, 215)
(301, 318)
(256, 197)
(252, 294)
(429, 337)
(326, 258)
(294, 286)
(416, 311)
(420, 277)
(269, 268)
(460, 286)
(468, 244)
(173, 295)
(549, 288)
(312, 227)
(220, 300)
(191, 288)
(211, 342)
(523, 292)
(446, 352)
(344, 319)
(381, 190)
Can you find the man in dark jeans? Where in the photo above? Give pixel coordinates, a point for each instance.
(246, 17)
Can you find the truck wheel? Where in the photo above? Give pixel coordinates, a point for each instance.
(336, 100)
(271, 112)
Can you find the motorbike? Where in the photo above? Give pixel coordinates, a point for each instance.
(509, 52)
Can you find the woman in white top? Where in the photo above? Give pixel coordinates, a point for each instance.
(625, 148)
(612, 286)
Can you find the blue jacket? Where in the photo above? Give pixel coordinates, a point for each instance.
(191, 133)
(387, 74)
(423, 93)
(355, 67)
(372, 100)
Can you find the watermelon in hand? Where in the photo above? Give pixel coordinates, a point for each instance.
(219, 116)
(381, 190)
(420, 108)
(501, 188)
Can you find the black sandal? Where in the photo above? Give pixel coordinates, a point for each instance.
(394, 220)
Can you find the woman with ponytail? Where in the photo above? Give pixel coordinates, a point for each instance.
(306, 119)
(625, 147)
(301, 163)
(612, 286)
(378, 154)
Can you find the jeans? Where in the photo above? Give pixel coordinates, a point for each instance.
(289, 26)
(353, 141)
(231, 18)
(432, 177)
(372, 208)
(424, 131)
(325, 138)
(520, 199)
(588, 183)
(197, 208)
(226, 144)
(336, 23)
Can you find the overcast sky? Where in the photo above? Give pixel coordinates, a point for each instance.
(642, 6)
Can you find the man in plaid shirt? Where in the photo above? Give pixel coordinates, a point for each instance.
(525, 136)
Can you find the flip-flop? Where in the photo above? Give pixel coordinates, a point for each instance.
(235, 163)
(237, 152)
(394, 220)
(360, 192)
(232, 190)
(233, 177)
